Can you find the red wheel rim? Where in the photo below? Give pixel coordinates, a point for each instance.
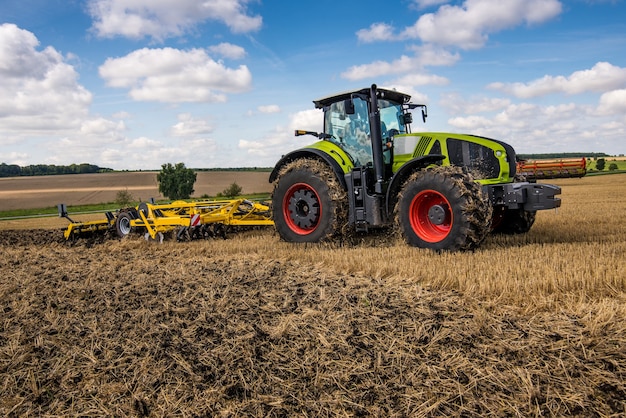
(302, 208)
(430, 216)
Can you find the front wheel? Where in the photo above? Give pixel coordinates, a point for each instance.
(443, 208)
(309, 204)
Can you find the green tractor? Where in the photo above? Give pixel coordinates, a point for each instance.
(368, 170)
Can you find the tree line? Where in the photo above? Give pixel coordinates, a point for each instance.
(14, 170)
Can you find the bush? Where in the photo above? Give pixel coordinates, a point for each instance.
(176, 182)
(233, 190)
(123, 198)
(612, 167)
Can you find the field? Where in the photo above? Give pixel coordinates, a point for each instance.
(83, 189)
(531, 325)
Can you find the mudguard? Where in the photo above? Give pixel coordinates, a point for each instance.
(335, 158)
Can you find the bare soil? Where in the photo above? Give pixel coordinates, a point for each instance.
(130, 328)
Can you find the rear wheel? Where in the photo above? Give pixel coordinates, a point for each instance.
(309, 204)
(442, 208)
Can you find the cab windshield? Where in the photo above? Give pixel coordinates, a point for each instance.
(352, 131)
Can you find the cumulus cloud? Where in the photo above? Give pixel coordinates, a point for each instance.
(424, 56)
(566, 127)
(174, 76)
(165, 18)
(376, 32)
(282, 140)
(456, 104)
(228, 50)
(39, 89)
(101, 126)
(600, 78)
(188, 126)
(465, 26)
(613, 103)
(468, 26)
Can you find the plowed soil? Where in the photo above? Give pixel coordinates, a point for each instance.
(130, 328)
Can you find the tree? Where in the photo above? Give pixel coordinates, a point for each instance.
(176, 182)
(600, 164)
(613, 167)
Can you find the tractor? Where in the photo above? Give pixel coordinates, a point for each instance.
(368, 170)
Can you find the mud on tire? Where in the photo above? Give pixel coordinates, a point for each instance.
(443, 208)
(308, 202)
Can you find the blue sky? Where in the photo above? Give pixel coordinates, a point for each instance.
(133, 84)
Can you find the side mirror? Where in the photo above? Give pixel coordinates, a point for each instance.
(348, 104)
(424, 114)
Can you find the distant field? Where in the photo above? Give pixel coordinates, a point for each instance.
(83, 189)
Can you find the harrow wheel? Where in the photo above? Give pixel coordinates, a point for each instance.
(443, 208)
(308, 201)
(123, 224)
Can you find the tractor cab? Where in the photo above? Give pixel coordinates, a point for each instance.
(348, 123)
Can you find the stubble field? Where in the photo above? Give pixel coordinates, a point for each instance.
(530, 325)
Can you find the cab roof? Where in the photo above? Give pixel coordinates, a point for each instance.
(383, 93)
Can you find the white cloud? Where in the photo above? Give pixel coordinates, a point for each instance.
(532, 128)
(600, 78)
(269, 109)
(149, 153)
(190, 127)
(457, 104)
(466, 26)
(376, 32)
(469, 25)
(421, 79)
(164, 18)
(39, 90)
(613, 103)
(173, 76)
(424, 56)
(228, 50)
(282, 140)
(101, 126)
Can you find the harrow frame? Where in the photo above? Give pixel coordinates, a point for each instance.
(157, 219)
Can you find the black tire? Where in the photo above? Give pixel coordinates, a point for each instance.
(308, 202)
(513, 221)
(443, 208)
(123, 225)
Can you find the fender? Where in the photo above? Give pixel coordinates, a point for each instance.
(311, 153)
(398, 179)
